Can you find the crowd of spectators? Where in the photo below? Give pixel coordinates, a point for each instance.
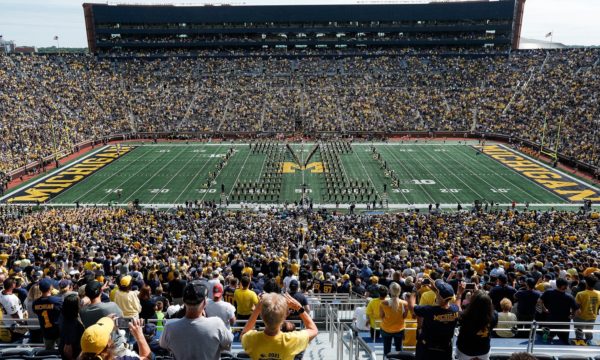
(50, 103)
(147, 264)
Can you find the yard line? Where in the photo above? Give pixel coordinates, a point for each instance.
(59, 169)
(581, 182)
(409, 173)
(435, 177)
(137, 172)
(156, 173)
(193, 178)
(505, 180)
(177, 173)
(103, 181)
(529, 180)
(453, 173)
(236, 179)
(262, 167)
(366, 172)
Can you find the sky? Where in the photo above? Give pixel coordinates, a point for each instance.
(36, 22)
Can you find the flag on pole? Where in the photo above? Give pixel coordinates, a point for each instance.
(549, 34)
(55, 37)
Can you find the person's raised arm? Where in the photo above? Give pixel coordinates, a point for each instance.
(309, 324)
(135, 328)
(252, 321)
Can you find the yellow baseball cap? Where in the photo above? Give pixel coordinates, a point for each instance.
(125, 280)
(95, 338)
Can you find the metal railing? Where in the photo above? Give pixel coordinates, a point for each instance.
(349, 340)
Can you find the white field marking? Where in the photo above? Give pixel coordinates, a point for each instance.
(103, 181)
(237, 178)
(368, 175)
(581, 182)
(137, 172)
(409, 174)
(504, 179)
(54, 172)
(465, 206)
(153, 176)
(453, 173)
(177, 173)
(192, 181)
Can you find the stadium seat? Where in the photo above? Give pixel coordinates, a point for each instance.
(242, 355)
(543, 357)
(401, 355)
(573, 357)
(16, 353)
(500, 356)
(227, 355)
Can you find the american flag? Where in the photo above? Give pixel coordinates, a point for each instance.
(55, 37)
(549, 34)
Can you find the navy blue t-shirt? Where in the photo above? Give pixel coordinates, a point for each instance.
(474, 342)
(48, 311)
(526, 301)
(438, 325)
(499, 292)
(559, 304)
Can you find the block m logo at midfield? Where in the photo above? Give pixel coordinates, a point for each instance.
(289, 167)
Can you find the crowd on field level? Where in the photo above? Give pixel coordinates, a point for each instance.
(50, 103)
(70, 268)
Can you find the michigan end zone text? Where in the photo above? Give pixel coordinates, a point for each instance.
(40, 192)
(556, 182)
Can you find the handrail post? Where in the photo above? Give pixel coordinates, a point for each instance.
(532, 335)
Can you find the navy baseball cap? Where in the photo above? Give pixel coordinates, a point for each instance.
(444, 290)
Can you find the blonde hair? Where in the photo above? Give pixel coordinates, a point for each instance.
(394, 296)
(34, 293)
(505, 304)
(274, 309)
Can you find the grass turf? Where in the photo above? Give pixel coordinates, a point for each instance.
(165, 175)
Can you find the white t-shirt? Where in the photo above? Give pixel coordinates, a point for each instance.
(11, 305)
(221, 309)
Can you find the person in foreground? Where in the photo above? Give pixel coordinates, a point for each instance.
(439, 321)
(98, 342)
(196, 337)
(476, 325)
(272, 343)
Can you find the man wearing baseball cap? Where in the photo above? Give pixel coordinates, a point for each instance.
(195, 336)
(127, 299)
(219, 308)
(48, 309)
(97, 342)
(97, 309)
(438, 322)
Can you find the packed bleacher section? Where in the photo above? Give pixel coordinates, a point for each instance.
(520, 256)
(50, 103)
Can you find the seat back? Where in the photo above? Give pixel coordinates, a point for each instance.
(401, 355)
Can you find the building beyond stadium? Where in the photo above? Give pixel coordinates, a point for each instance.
(464, 24)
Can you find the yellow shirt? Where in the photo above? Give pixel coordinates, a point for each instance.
(244, 300)
(283, 346)
(588, 301)
(393, 321)
(129, 303)
(373, 312)
(428, 298)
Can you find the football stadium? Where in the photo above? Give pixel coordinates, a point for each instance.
(299, 181)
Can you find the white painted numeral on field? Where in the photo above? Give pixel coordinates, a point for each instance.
(449, 190)
(405, 150)
(216, 155)
(440, 150)
(204, 191)
(299, 191)
(499, 190)
(159, 191)
(198, 151)
(113, 191)
(423, 182)
(405, 191)
(164, 150)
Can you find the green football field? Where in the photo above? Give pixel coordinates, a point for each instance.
(395, 176)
